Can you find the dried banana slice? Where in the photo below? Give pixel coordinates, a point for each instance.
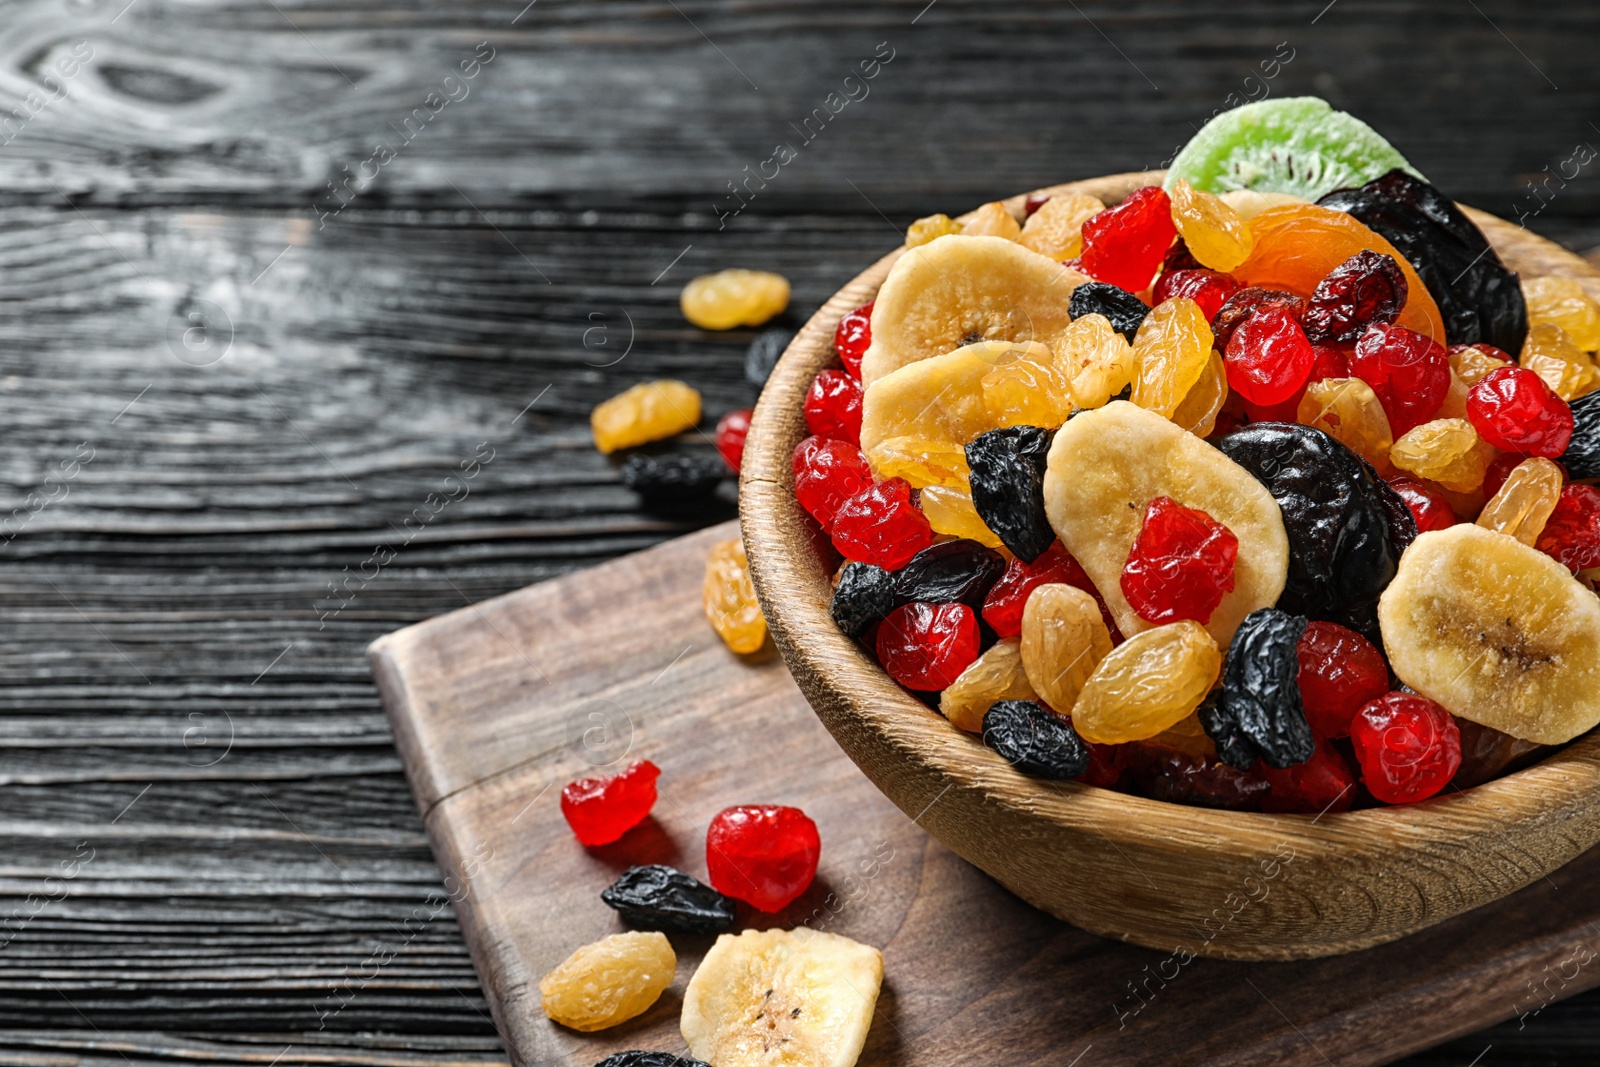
(939, 401)
(782, 998)
(1496, 632)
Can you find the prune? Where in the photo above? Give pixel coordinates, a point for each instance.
(864, 595)
(950, 572)
(1340, 552)
(763, 354)
(673, 477)
(1008, 487)
(1366, 288)
(1233, 747)
(636, 1058)
(1402, 520)
(1035, 741)
(658, 897)
(1178, 777)
(1479, 299)
(1121, 308)
(1260, 704)
(1487, 753)
(1582, 457)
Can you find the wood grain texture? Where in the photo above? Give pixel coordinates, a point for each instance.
(1123, 866)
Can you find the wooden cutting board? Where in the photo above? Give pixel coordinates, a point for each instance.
(496, 706)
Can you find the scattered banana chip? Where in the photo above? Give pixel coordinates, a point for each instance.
(782, 998)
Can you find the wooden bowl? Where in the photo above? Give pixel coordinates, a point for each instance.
(1188, 880)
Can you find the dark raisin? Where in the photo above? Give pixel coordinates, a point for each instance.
(1368, 287)
(648, 1059)
(1582, 457)
(674, 476)
(1008, 487)
(864, 595)
(1177, 777)
(1334, 513)
(1034, 740)
(1260, 705)
(1233, 747)
(949, 572)
(763, 353)
(1246, 302)
(1479, 299)
(658, 897)
(1124, 310)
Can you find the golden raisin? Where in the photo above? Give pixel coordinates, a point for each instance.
(949, 510)
(992, 220)
(1098, 360)
(921, 461)
(1454, 405)
(1523, 504)
(1472, 363)
(1553, 356)
(609, 982)
(1147, 684)
(1056, 229)
(1214, 232)
(1064, 637)
(924, 230)
(1447, 451)
(1198, 411)
(729, 598)
(1171, 351)
(732, 298)
(1563, 302)
(1026, 389)
(1349, 411)
(995, 675)
(647, 412)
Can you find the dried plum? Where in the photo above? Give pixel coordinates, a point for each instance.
(864, 595)
(1008, 487)
(1334, 513)
(1402, 522)
(1121, 308)
(959, 571)
(1479, 299)
(1034, 740)
(648, 1059)
(1260, 707)
(1582, 457)
(763, 354)
(658, 897)
(673, 476)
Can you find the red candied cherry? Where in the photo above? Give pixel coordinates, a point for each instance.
(732, 429)
(1340, 672)
(1247, 302)
(1125, 245)
(1572, 533)
(1180, 565)
(880, 525)
(851, 338)
(1321, 784)
(927, 646)
(601, 810)
(763, 854)
(1326, 362)
(1366, 288)
(1002, 608)
(1428, 505)
(826, 474)
(833, 407)
(1410, 373)
(1408, 747)
(1515, 411)
(1268, 357)
(1034, 202)
(1208, 288)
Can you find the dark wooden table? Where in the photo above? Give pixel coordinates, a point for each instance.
(272, 271)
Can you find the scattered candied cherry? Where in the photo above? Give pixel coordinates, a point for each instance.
(1515, 411)
(1125, 244)
(880, 525)
(1366, 288)
(833, 407)
(763, 854)
(851, 338)
(1428, 505)
(1181, 564)
(1408, 747)
(826, 474)
(1268, 356)
(1208, 288)
(1340, 672)
(1322, 783)
(732, 429)
(601, 810)
(1572, 532)
(1410, 373)
(927, 646)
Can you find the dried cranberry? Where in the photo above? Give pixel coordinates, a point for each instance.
(1181, 564)
(1208, 288)
(1340, 671)
(927, 646)
(1428, 505)
(1165, 773)
(833, 407)
(1366, 288)
(1268, 356)
(1179, 257)
(1106, 768)
(732, 429)
(1515, 411)
(601, 810)
(1002, 608)
(1410, 373)
(1572, 533)
(1244, 303)
(1408, 747)
(880, 525)
(1124, 245)
(763, 854)
(826, 474)
(851, 338)
(1321, 784)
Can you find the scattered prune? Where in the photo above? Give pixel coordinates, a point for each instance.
(648, 1059)
(1335, 515)
(674, 476)
(1479, 299)
(658, 897)
(1366, 288)
(1124, 310)
(1034, 740)
(949, 572)
(864, 595)
(763, 354)
(1260, 706)
(1178, 777)
(1008, 487)
(1582, 457)
(1246, 302)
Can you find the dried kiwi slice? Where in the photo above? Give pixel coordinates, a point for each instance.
(1298, 145)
